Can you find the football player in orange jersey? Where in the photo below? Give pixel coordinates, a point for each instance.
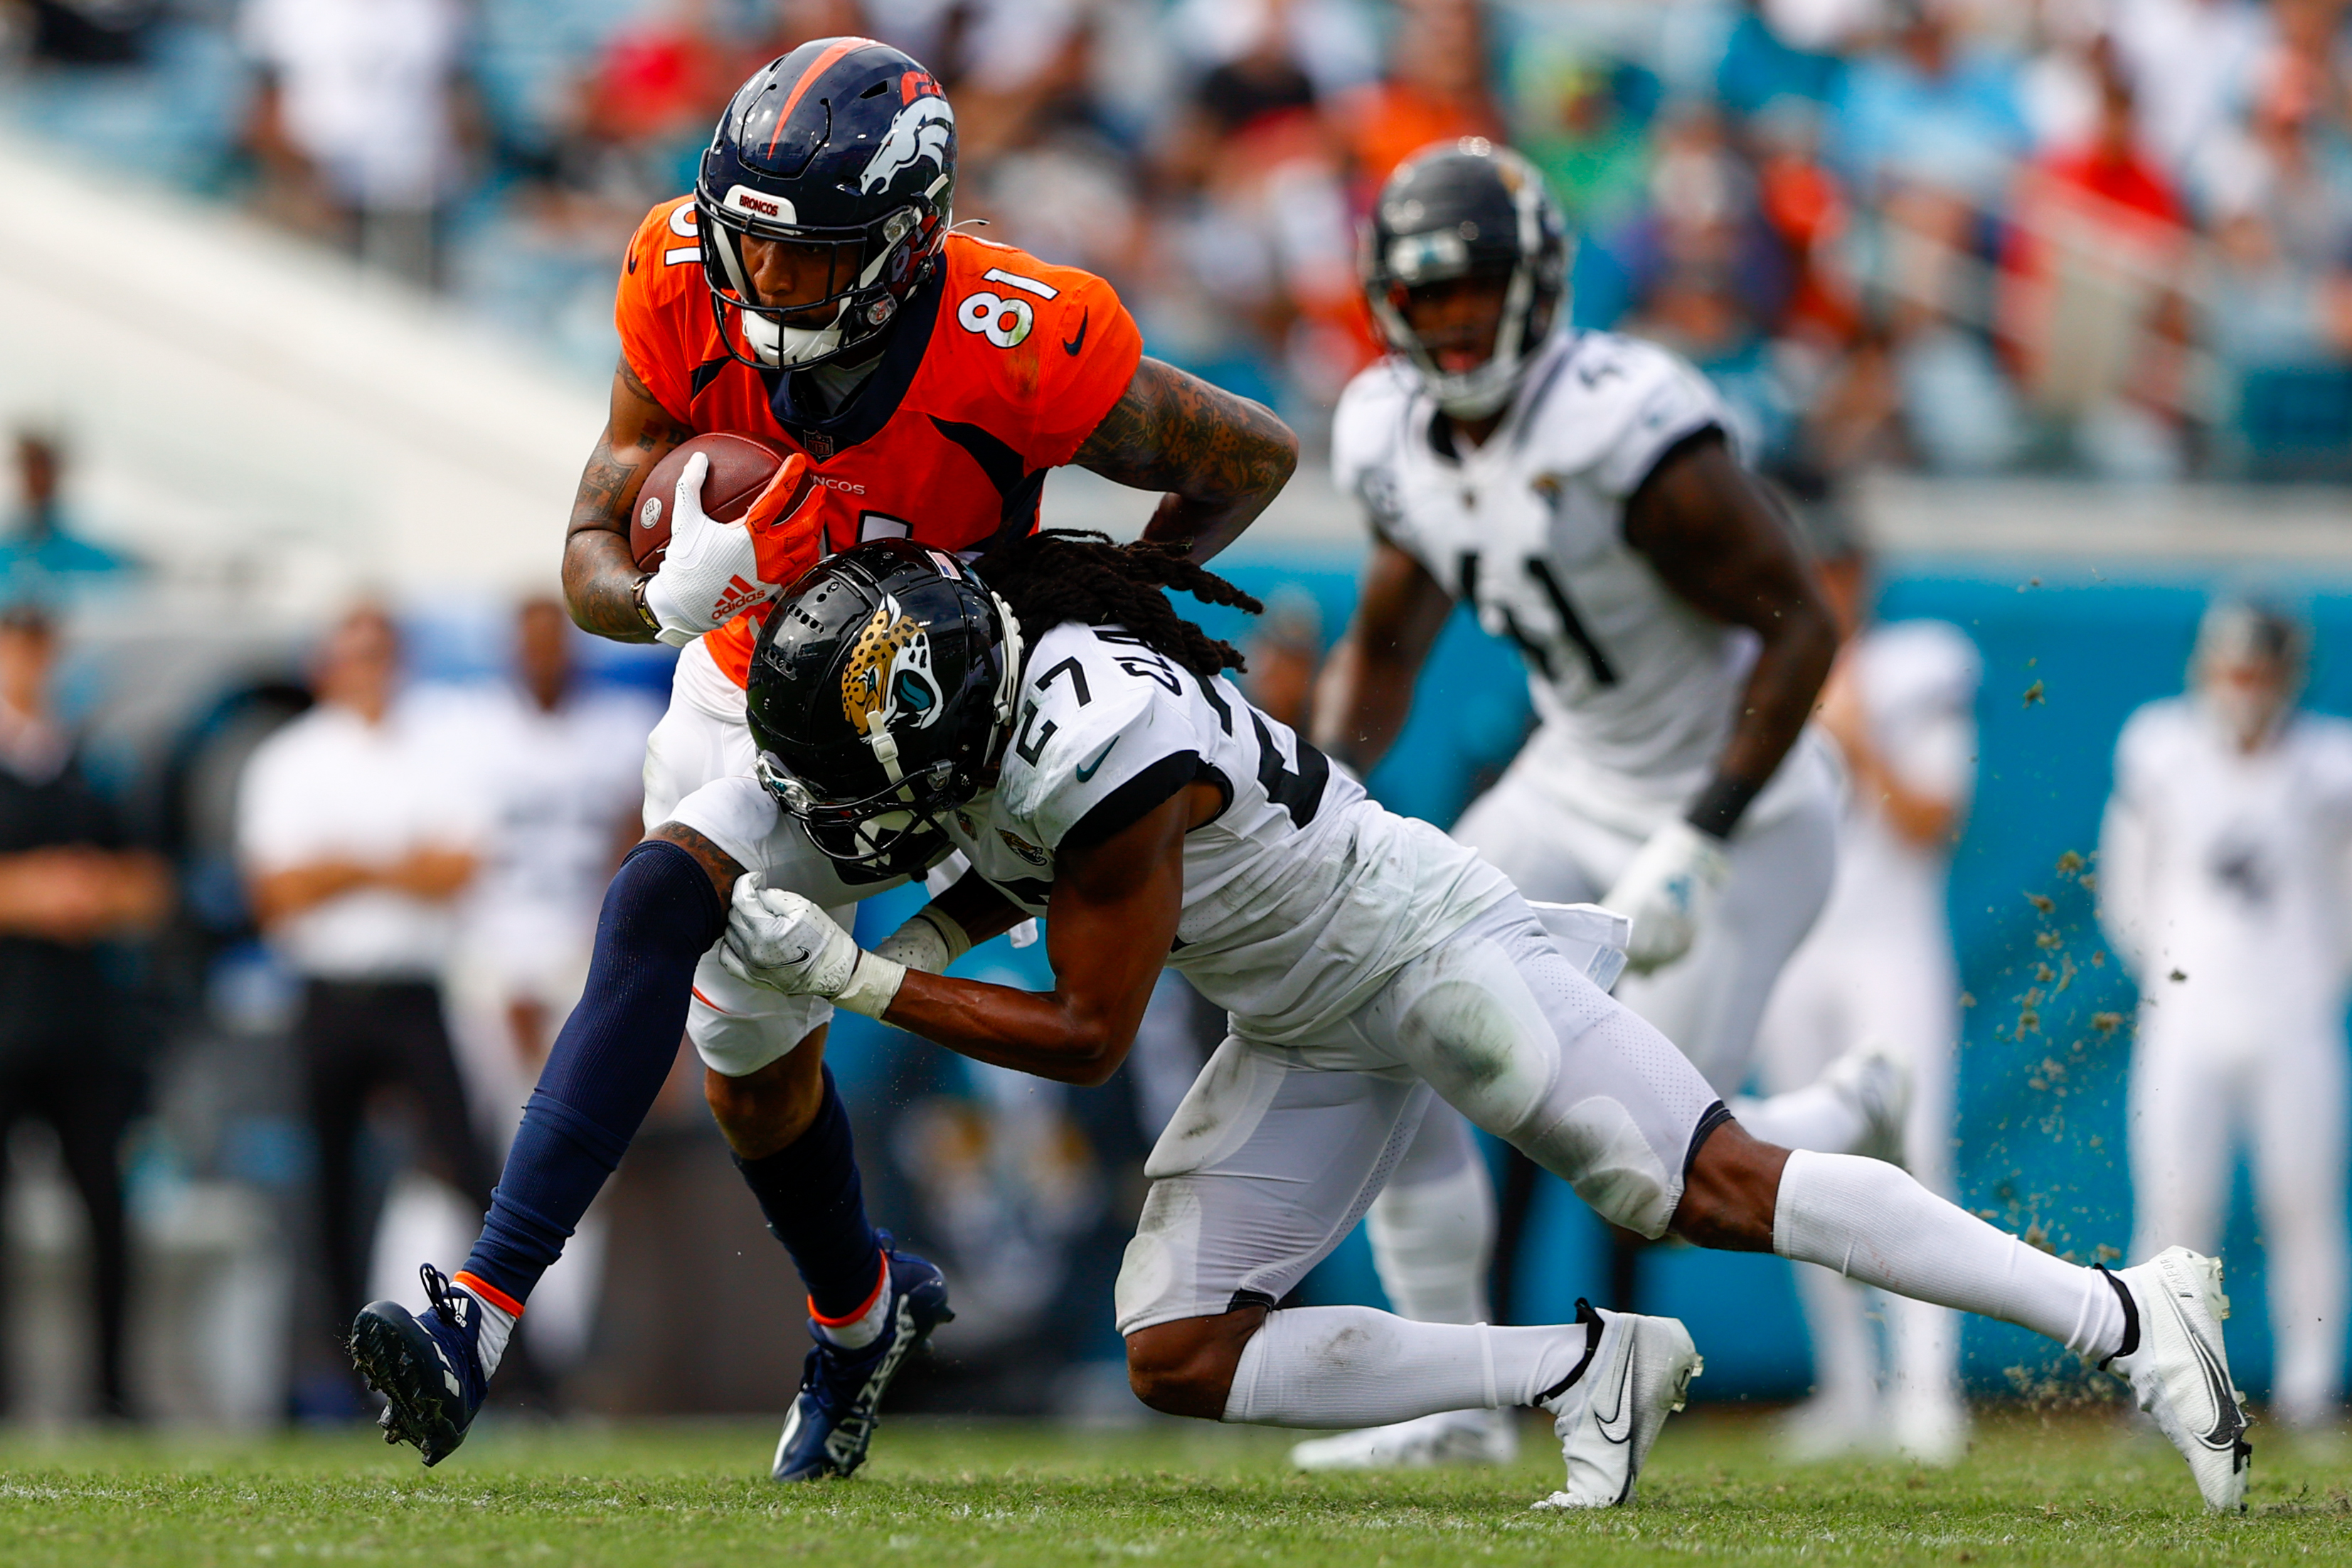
(809, 292)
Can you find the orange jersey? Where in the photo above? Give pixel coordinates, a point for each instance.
(1001, 367)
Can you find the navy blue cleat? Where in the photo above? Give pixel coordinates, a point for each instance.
(428, 1368)
(840, 1401)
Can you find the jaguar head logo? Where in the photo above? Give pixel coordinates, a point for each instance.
(887, 682)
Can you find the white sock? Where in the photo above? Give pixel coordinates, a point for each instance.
(865, 1325)
(497, 1327)
(1351, 1366)
(1845, 1351)
(1871, 1222)
(1432, 1243)
(1814, 1117)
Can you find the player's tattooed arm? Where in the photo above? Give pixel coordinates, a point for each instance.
(1366, 688)
(599, 573)
(1718, 540)
(1221, 458)
(717, 864)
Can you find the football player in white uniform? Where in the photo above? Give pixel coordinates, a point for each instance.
(1079, 743)
(2222, 883)
(1878, 967)
(1578, 490)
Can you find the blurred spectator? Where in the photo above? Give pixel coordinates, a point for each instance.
(358, 834)
(43, 549)
(358, 122)
(1435, 91)
(69, 879)
(557, 765)
(2191, 63)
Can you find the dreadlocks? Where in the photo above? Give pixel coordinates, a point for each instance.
(1056, 575)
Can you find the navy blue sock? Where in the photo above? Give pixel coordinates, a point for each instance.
(815, 1206)
(615, 1050)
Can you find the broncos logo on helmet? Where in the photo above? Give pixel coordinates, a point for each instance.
(924, 129)
(889, 673)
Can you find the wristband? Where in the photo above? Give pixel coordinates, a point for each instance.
(645, 610)
(930, 940)
(873, 983)
(1721, 804)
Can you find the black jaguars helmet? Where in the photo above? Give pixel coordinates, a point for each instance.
(1467, 209)
(880, 695)
(845, 144)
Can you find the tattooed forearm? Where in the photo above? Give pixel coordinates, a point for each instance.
(598, 571)
(1221, 458)
(715, 863)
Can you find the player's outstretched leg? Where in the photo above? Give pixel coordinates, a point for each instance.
(1609, 1379)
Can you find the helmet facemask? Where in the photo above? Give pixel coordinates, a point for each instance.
(861, 270)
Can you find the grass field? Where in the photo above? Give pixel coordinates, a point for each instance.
(968, 1496)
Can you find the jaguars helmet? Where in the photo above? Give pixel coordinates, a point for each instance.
(1467, 209)
(880, 695)
(845, 144)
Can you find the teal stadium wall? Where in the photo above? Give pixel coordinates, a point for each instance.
(2036, 1147)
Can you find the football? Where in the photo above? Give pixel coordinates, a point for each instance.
(740, 468)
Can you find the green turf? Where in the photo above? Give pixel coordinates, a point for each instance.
(968, 1496)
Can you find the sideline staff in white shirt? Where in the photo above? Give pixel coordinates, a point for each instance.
(356, 837)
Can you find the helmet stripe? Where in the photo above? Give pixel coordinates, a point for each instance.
(822, 64)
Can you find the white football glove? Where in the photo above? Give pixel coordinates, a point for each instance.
(1668, 892)
(787, 943)
(712, 573)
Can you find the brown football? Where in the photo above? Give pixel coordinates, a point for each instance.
(740, 468)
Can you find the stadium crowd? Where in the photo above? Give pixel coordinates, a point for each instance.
(2111, 237)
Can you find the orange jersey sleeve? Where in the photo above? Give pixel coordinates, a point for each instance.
(1050, 348)
(661, 307)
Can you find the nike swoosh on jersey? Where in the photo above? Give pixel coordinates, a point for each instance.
(1072, 345)
(1090, 769)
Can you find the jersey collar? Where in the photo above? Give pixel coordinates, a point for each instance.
(871, 406)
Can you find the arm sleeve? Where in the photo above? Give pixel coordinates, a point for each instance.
(1104, 765)
(647, 307)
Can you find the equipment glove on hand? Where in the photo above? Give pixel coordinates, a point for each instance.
(712, 573)
(787, 943)
(1668, 890)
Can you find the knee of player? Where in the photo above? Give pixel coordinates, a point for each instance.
(1184, 1368)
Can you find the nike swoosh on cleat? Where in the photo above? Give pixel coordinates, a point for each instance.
(1624, 1413)
(2228, 1421)
(1071, 346)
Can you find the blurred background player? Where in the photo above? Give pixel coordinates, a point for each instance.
(358, 835)
(43, 553)
(1579, 490)
(557, 762)
(1877, 970)
(70, 878)
(810, 292)
(2222, 883)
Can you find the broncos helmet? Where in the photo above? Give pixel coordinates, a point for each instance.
(881, 694)
(844, 143)
(1467, 209)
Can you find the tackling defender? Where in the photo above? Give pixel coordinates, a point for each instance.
(810, 292)
(1577, 490)
(1079, 743)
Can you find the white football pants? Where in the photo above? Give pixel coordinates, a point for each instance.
(2194, 1098)
(1708, 1003)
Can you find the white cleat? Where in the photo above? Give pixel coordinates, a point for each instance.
(1449, 1438)
(2180, 1370)
(1930, 1429)
(1826, 1428)
(1878, 1082)
(1638, 1374)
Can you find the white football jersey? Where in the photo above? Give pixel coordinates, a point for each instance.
(2228, 870)
(1301, 897)
(1638, 687)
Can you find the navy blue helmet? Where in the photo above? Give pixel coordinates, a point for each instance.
(844, 143)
